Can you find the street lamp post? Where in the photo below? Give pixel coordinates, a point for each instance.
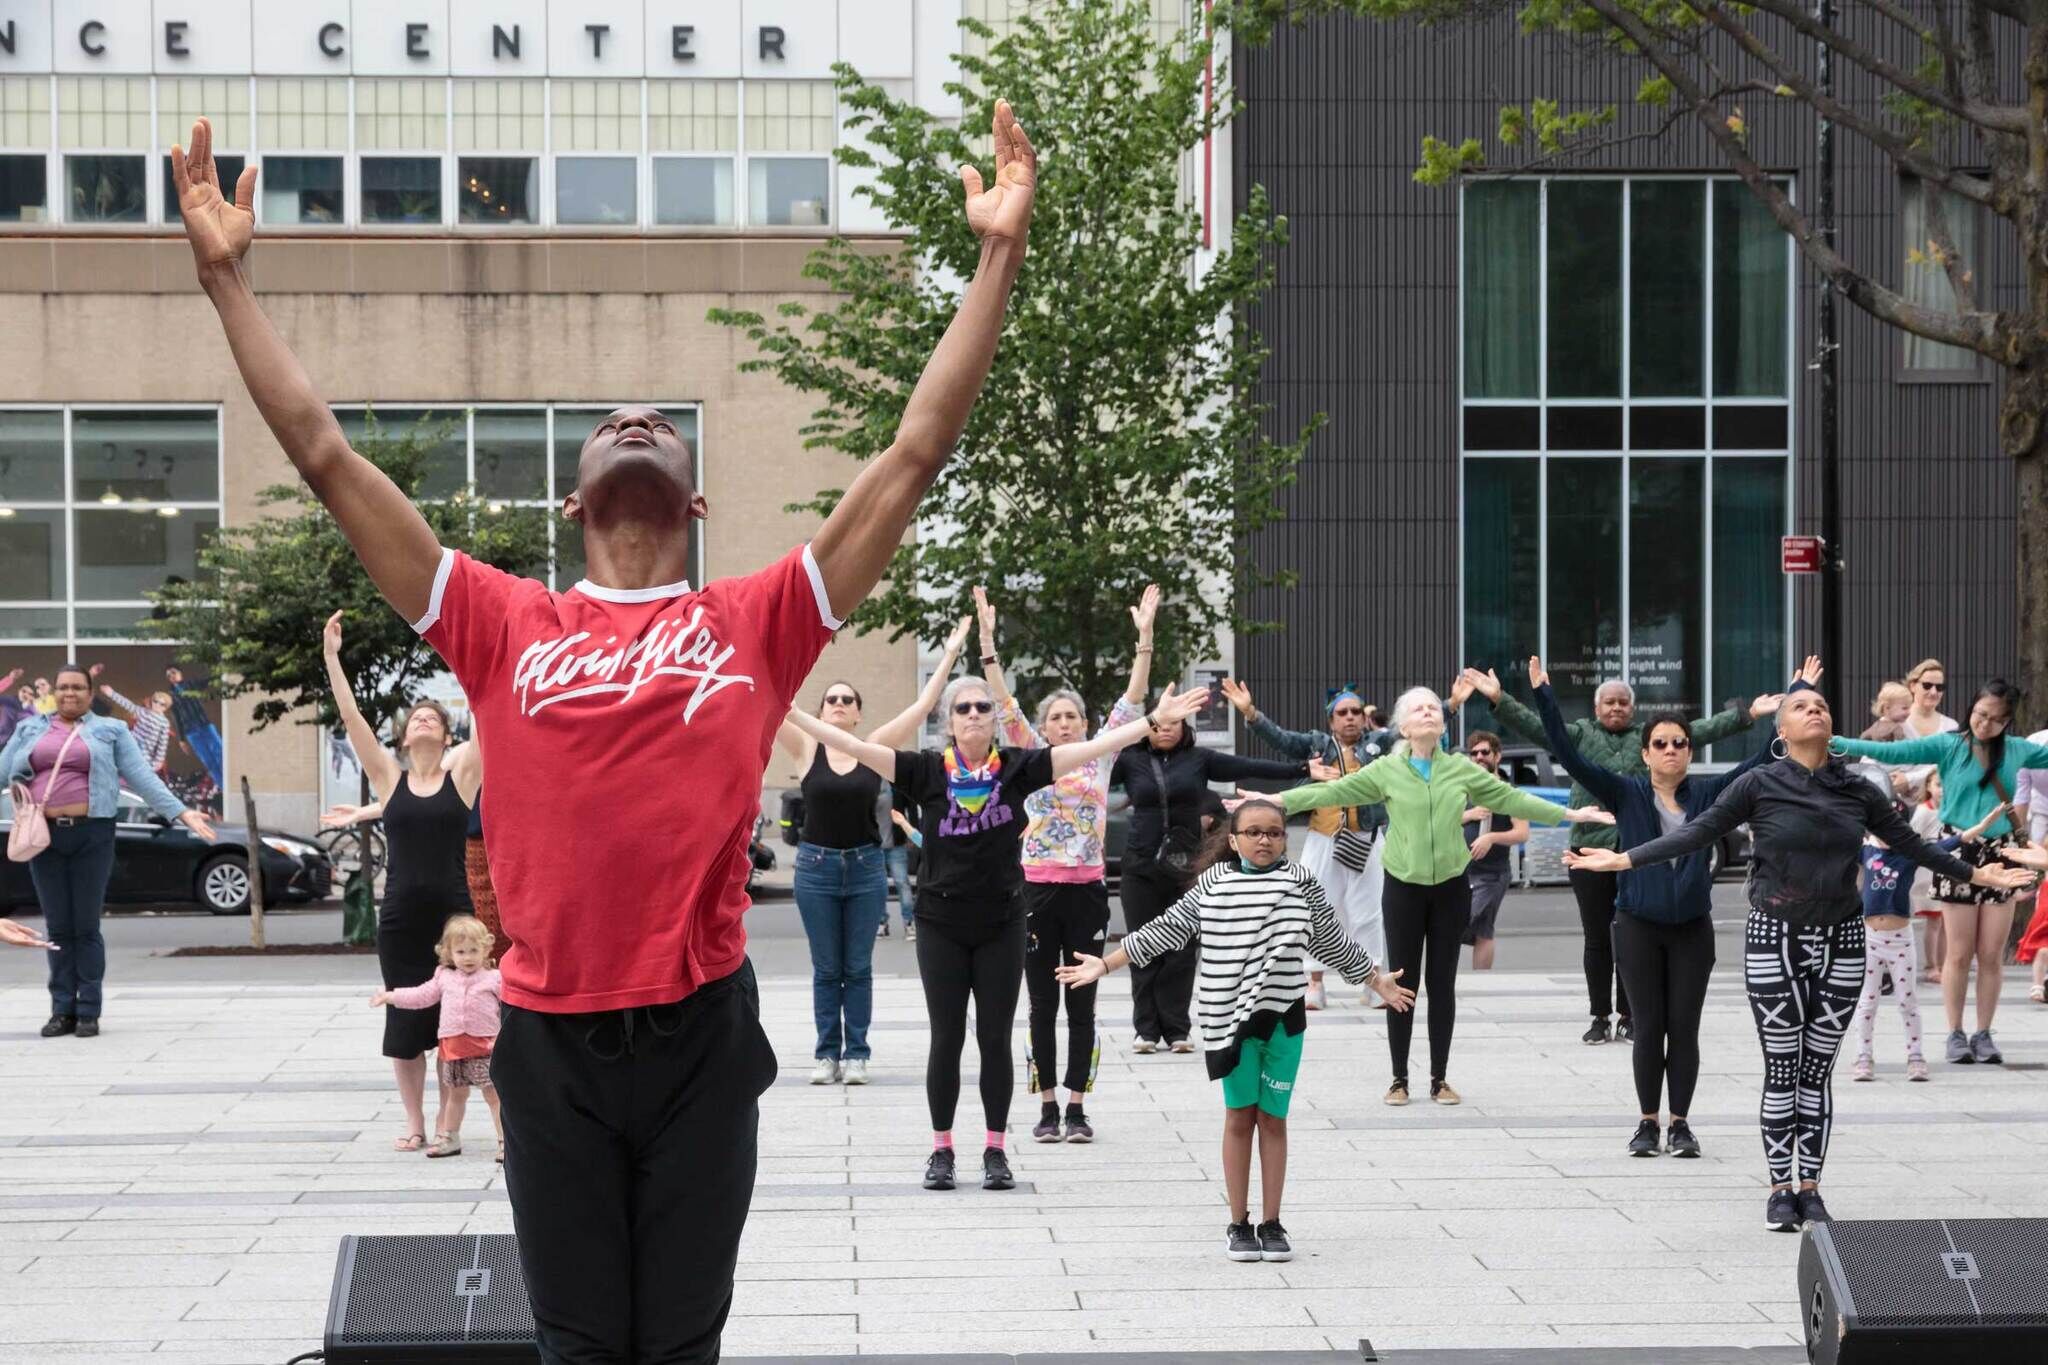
(1830, 391)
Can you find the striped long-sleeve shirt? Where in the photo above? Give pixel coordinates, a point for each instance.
(1256, 929)
(152, 731)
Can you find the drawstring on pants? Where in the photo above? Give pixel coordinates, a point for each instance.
(622, 1020)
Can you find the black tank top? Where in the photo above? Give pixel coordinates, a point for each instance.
(427, 836)
(839, 808)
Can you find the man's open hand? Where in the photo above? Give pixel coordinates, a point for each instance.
(220, 231)
(1002, 211)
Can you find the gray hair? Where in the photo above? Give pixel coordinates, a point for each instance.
(1626, 690)
(1404, 707)
(952, 694)
(1058, 695)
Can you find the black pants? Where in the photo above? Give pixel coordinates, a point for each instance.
(982, 958)
(1062, 919)
(1595, 892)
(70, 878)
(629, 1155)
(1425, 926)
(1665, 967)
(1162, 990)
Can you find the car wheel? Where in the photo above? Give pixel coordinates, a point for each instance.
(224, 884)
(1717, 858)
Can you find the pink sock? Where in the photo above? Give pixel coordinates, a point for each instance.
(995, 1139)
(942, 1142)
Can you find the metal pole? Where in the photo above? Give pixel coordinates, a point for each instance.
(1830, 397)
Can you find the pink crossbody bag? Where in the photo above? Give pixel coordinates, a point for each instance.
(31, 832)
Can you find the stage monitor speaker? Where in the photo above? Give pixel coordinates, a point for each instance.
(429, 1300)
(1925, 1291)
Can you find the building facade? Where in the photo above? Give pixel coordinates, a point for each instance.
(1573, 411)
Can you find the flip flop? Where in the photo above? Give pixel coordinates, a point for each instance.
(411, 1142)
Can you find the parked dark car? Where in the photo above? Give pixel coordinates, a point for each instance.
(160, 863)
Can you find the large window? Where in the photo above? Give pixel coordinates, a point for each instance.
(517, 455)
(1626, 436)
(1925, 279)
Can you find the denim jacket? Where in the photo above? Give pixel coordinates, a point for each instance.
(116, 760)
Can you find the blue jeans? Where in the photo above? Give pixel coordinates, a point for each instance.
(842, 894)
(899, 874)
(70, 878)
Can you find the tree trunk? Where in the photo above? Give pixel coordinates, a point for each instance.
(2023, 414)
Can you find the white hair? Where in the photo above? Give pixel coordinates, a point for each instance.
(952, 694)
(1404, 706)
(1626, 690)
(1059, 695)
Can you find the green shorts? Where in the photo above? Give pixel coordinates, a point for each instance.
(1265, 1073)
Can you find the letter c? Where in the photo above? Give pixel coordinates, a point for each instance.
(330, 39)
(87, 31)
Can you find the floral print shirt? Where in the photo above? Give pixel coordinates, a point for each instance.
(1065, 822)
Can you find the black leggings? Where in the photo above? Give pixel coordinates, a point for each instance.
(1063, 918)
(1595, 892)
(1162, 989)
(983, 958)
(1666, 967)
(1425, 925)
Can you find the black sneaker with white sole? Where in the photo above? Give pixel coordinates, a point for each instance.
(1596, 1034)
(1811, 1209)
(1679, 1141)
(1240, 1242)
(1624, 1030)
(1645, 1142)
(995, 1170)
(1781, 1214)
(938, 1171)
(1047, 1129)
(1078, 1127)
(1273, 1243)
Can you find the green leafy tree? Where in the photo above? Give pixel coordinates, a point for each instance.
(1961, 108)
(252, 617)
(1116, 443)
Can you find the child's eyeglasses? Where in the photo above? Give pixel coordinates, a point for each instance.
(1262, 834)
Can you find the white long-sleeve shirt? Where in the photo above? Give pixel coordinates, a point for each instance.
(2032, 792)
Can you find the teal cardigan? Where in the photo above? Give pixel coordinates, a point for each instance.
(1965, 797)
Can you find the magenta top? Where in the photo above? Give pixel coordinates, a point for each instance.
(73, 784)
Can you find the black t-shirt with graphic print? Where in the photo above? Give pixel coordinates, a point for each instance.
(970, 855)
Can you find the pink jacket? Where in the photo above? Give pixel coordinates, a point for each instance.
(469, 1001)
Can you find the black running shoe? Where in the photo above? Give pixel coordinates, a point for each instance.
(1624, 1030)
(1782, 1213)
(60, 1024)
(1679, 1141)
(1811, 1209)
(1597, 1033)
(1078, 1127)
(938, 1172)
(1240, 1243)
(88, 1028)
(1273, 1243)
(995, 1170)
(1644, 1143)
(1047, 1128)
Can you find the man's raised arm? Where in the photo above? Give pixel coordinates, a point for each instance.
(389, 535)
(857, 540)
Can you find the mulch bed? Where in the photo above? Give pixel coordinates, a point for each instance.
(275, 950)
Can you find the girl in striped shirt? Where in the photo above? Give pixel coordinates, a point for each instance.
(1258, 917)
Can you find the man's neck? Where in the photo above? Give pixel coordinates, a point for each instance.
(636, 555)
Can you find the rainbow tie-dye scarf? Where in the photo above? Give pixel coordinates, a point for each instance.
(970, 788)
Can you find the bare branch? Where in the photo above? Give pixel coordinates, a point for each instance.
(1946, 253)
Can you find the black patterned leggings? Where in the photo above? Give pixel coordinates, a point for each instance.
(1803, 987)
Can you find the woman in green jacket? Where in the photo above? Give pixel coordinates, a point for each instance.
(1426, 790)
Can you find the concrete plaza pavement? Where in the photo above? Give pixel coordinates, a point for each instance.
(174, 1190)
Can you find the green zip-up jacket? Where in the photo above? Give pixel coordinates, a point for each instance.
(1425, 839)
(1617, 751)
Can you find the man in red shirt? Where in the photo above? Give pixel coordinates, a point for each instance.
(626, 725)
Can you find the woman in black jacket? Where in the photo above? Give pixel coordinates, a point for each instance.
(1803, 945)
(1165, 777)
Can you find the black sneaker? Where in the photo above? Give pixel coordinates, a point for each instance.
(1782, 1213)
(60, 1024)
(938, 1172)
(1624, 1030)
(1811, 1209)
(1679, 1141)
(1884, 986)
(995, 1170)
(1078, 1127)
(1047, 1129)
(1644, 1143)
(1240, 1242)
(1273, 1243)
(1597, 1033)
(88, 1028)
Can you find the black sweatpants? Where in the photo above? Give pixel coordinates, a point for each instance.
(1666, 967)
(1061, 919)
(1595, 893)
(1162, 990)
(981, 957)
(629, 1155)
(1425, 926)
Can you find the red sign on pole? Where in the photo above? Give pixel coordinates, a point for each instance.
(1803, 554)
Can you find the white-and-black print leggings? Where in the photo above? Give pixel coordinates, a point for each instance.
(1803, 986)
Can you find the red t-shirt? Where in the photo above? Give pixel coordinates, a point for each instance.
(625, 733)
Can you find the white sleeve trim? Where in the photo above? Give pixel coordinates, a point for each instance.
(817, 590)
(426, 623)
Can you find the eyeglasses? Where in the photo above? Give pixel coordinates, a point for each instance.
(1482, 752)
(1680, 744)
(842, 699)
(1926, 686)
(978, 708)
(1262, 834)
(1347, 711)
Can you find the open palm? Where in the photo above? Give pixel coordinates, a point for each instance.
(219, 230)
(1002, 211)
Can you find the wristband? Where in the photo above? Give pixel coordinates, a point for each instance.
(988, 659)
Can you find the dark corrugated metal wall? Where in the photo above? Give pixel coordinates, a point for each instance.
(1363, 323)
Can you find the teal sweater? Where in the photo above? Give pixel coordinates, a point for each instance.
(1966, 797)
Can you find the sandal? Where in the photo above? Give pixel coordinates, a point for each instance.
(446, 1144)
(2038, 994)
(411, 1142)
(501, 1155)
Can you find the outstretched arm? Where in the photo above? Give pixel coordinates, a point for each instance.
(1142, 617)
(1172, 707)
(389, 535)
(877, 757)
(857, 541)
(1606, 787)
(898, 731)
(1015, 730)
(378, 764)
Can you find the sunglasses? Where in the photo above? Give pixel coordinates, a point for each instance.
(1933, 687)
(1348, 711)
(975, 708)
(1482, 752)
(1681, 744)
(842, 699)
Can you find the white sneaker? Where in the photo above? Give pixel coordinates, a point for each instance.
(856, 1072)
(1146, 1045)
(825, 1072)
(1317, 998)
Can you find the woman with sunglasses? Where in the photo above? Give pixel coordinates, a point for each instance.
(1979, 769)
(1663, 923)
(842, 886)
(1926, 690)
(970, 905)
(1803, 943)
